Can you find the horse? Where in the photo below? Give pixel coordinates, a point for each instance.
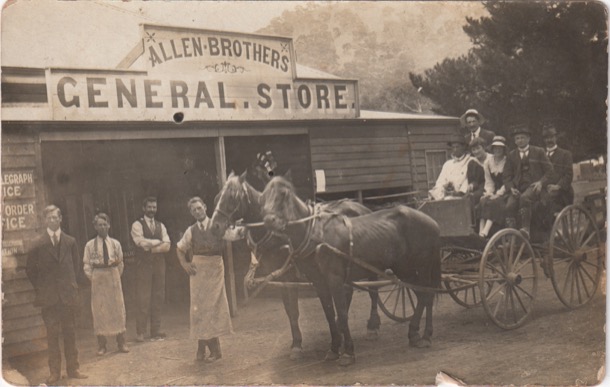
(239, 200)
(346, 249)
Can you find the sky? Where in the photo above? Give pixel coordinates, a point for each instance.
(100, 33)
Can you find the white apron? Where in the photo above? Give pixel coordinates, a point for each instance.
(209, 306)
(107, 302)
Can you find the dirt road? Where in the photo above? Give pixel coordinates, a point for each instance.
(556, 347)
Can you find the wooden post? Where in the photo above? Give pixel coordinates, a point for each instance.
(359, 193)
(221, 170)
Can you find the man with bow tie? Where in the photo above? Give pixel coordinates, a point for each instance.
(53, 268)
(559, 191)
(152, 242)
(209, 313)
(526, 175)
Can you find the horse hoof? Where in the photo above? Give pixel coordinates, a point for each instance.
(420, 343)
(331, 356)
(296, 353)
(372, 334)
(347, 360)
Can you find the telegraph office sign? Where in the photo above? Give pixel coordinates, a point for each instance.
(206, 75)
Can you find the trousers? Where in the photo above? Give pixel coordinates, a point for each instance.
(60, 319)
(150, 293)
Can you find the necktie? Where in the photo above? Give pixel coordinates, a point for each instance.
(472, 136)
(105, 248)
(523, 154)
(549, 153)
(201, 225)
(152, 226)
(55, 239)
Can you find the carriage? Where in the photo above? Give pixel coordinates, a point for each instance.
(502, 273)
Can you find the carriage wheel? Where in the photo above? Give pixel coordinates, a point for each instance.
(397, 302)
(575, 256)
(508, 269)
(469, 297)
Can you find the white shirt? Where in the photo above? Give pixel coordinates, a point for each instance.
(550, 151)
(476, 133)
(454, 172)
(524, 152)
(152, 245)
(57, 233)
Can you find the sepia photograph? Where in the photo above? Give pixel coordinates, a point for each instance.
(324, 193)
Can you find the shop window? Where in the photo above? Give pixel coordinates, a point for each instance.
(434, 163)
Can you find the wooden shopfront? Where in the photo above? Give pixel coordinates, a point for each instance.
(204, 104)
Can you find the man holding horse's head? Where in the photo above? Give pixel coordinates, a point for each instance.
(209, 313)
(453, 180)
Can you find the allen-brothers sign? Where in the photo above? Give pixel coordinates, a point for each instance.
(206, 75)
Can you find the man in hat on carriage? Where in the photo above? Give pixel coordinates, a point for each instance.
(526, 174)
(453, 179)
(559, 192)
(472, 120)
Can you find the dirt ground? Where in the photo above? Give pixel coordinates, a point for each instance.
(555, 347)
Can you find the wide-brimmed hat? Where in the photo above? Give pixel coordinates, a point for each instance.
(457, 138)
(472, 112)
(549, 130)
(498, 141)
(520, 129)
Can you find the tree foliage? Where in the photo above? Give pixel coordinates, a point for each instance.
(531, 63)
(375, 43)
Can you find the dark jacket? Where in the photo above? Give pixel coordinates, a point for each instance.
(485, 134)
(54, 271)
(562, 175)
(540, 168)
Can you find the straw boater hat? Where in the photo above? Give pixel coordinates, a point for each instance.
(472, 112)
(499, 141)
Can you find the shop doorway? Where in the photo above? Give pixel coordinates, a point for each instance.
(87, 177)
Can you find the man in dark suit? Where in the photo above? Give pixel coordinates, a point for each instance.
(559, 192)
(53, 267)
(526, 175)
(473, 120)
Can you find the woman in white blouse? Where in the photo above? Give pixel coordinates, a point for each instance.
(494, 199)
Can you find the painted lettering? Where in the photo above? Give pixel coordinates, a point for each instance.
(149, 93)
(92, 92)
(197, 46)
(340, 91)
(213, 45)
(203, 95)
(165, 57)
(185, 47)
(285, 61)
(221, 95)
(176, 54)
(322, 96)
(121, 91)
(61, 92)
(179, 94)
(263, 92)
(304, 96)
(284, 87)
(153, 56)
(225, 45)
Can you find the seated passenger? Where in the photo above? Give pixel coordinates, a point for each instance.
(475, 174)
(526, 175)
(493, 202)
(559, 192)
(453, 182)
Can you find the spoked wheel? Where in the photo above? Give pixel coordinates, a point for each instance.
(508, 269)
(397, 302)
(575, 257)
(466, 264)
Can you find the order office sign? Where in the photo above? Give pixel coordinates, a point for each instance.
(18, 200)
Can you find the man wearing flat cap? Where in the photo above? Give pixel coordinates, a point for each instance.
(526, 174)
(473, 120)
(453, 179)
(559, 192)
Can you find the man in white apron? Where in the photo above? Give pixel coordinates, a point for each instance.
(209, 313)
(103, 265)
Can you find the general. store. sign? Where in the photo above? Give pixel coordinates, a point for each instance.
(205, 75)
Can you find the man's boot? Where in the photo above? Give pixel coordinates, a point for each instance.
(101, 345)
(201, 350)
(215, 354)
(526, 215)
